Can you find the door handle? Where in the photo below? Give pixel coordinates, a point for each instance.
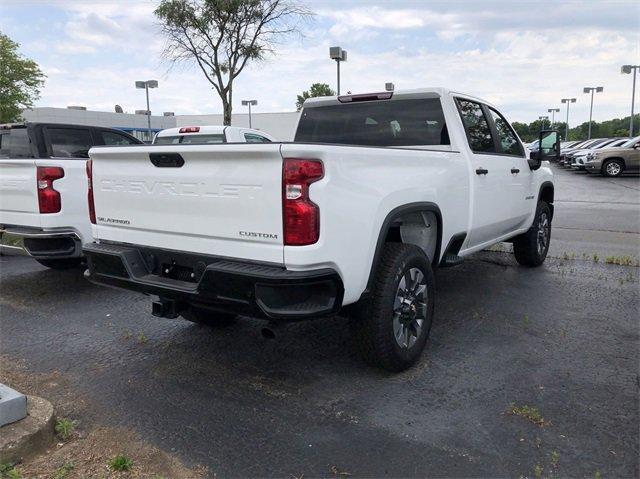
(515, 171)
(481, 171)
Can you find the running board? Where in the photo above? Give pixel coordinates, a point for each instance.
(450, 257)
(451, 260)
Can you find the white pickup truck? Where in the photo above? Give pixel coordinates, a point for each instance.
(375, 192)
(210, 135)
(43, 188)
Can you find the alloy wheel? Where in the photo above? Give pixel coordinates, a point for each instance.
(410, 308)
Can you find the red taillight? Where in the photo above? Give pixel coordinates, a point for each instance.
(190, 129)
(92, 208)
(300, 216)
(48, 198)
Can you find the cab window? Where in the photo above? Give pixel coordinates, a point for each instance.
(70, 142)
(254, 138)
(509, 143)
(112, 138)
(476, 126)
(14, 143)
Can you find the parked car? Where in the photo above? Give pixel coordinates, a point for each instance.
(210, 135)
(375, 192)
(578, 157)
(615, 160)
(43, 211)
(567, 157)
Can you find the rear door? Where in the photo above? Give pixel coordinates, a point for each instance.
(492, 215)
(222, 200)
(521, 182)
(18, 185)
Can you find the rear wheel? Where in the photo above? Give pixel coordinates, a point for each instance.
(205, 317)
(613, 168)
(531, 248)
(60, 264)
(392, 327)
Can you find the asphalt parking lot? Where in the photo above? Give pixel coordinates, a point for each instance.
(563, 338)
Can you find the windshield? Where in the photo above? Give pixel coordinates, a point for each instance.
(631, 142)
(189, 140)
(375, 123)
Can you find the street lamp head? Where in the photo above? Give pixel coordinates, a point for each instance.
(599, 89)
(626, 69)
(389, 86)
(335, 53)
(147, 84)
(249, 102)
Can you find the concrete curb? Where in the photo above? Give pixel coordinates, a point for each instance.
(30, 436)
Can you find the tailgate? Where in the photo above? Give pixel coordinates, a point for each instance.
(222, 200)
(18, 193)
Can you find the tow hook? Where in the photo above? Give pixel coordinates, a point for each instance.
(165, 308)
(270, 330)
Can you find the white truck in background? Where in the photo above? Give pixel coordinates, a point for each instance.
(210, 135)
(43, 188)
(376, 191)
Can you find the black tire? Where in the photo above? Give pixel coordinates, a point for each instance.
(61, 264)
(373, 322)
(526, 247)
(205, 317)
(612, 168)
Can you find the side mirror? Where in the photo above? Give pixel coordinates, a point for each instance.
(549, 149)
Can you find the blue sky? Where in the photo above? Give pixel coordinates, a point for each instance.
(521, 55)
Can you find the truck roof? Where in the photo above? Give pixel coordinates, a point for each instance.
(386, 95)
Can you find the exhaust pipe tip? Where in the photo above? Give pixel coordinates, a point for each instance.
(268, 333)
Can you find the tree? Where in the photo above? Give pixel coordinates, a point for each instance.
(317, 89)
(20, 81)
(223, 36)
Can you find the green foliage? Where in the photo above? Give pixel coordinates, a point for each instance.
(63, 471)
(64, 428)
(121, 463)
(606, 129)
(20, 81)
(222, 36)
(317, 89)
(7, 471)
(529, 413)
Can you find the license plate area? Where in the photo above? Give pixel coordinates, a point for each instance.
(178, 272)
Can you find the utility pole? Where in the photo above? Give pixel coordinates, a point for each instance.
(567, 101)
(592, 90)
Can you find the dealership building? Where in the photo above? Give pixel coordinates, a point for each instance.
(279, 125)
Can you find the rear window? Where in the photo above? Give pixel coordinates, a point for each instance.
(189, 140)
(376, 123)
(70, 142)
(14, 143)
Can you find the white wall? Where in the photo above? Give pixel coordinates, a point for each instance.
(97, 118)
(282, 126)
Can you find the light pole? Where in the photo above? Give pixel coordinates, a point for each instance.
(249, 103)
(553, 112)
(592, 90)
(146, 85)
(543, 119)
(339, 55)
(627, 69)
(567, 101)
